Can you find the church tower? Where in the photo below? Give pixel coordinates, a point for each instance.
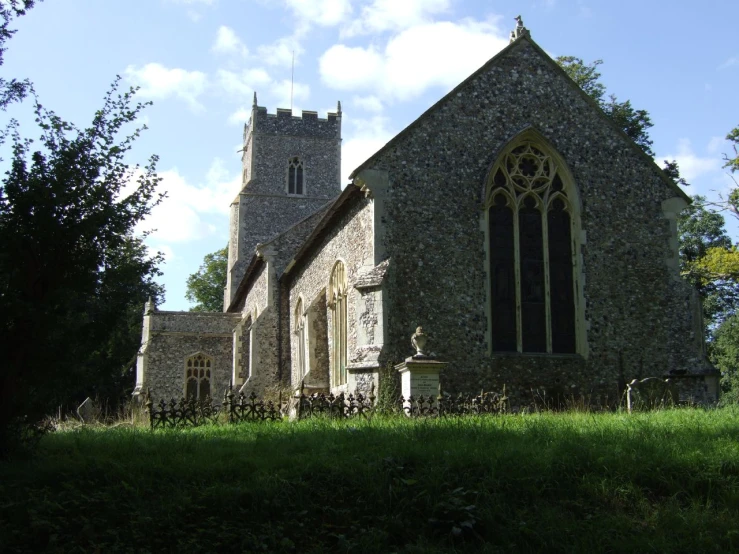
(291, 166)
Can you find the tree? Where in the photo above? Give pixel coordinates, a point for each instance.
(724, 354)
(71, 268)
(206, 285)
(13, 89)
(634, 123)
(733, 163)
(706, 256)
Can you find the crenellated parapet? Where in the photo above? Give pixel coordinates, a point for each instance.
(284, 122)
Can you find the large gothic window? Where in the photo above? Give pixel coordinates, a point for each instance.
(337, 304)
(530, 229)
(295, 176)
(197, 376)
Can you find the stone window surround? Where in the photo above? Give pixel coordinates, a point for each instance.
(209, 366)
(299, 330)
(337, 299)
(295, 162)
(578, 238)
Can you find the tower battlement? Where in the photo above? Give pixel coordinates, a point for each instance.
(284, 122)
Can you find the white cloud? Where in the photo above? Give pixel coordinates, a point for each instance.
(280, 52)
(368, 103)
(159, 82)
(325, 13)
(691, 165)
(180, 216)
(715, 145)
(734, 60)
(242, 85)
(240, 116)
(227, 42)
(280, 90)
(366, 137)
(395, 15)
(434, 54)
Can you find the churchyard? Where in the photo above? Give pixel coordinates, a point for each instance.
(661, 481)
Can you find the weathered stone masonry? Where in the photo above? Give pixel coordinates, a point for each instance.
(412, 232)
(169, 338)
(636, 314)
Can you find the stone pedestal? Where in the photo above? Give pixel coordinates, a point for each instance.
(419, 376)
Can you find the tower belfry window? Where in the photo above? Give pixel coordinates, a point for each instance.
(295, 179)
(531, 224)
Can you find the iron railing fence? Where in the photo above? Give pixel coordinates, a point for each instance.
(236, 408)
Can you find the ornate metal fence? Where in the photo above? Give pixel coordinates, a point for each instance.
(491, 403)
(186, 412)
(236, 408)
(240, 408)
(330, 405)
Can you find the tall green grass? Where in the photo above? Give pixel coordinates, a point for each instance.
(659, 482)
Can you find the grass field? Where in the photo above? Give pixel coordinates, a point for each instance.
(660, 482)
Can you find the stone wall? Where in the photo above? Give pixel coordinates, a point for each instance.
(263, 208)
(636, 307)
(349, 238)
(171, 337)
(263, 297)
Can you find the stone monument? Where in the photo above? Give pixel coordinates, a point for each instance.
(419, 374)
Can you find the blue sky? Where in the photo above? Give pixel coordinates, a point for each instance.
(386, 60)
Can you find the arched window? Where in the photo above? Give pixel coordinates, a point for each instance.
(299, 326)
(531, 226)
(295, 183)
(337, 304)
(197, 376)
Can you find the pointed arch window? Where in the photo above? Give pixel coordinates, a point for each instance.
(530, 228)
(295, 177)
(337, 304)
(299, 327)
(197, 376)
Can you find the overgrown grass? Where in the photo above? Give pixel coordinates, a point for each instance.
(659, 482)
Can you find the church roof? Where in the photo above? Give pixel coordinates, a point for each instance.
(350, 191)
(257, 259)
(517, 43)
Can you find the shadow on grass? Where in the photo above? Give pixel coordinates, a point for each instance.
(664, 481)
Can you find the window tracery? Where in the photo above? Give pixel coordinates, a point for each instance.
(300, 333)
(197, 376)
(337, 304)
(530, 230)
(295, 177)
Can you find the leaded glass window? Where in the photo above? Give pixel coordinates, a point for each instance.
(197, 376)
(337, 304)
(295, 183)
(300, 335)
(530, 222)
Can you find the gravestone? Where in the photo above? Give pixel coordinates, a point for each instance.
(651, 393)
(419, 374)
(88, 411)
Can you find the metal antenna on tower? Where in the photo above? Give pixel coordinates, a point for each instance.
(292, 81)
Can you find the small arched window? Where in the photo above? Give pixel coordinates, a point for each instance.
(530, 229)
(295, 177)
(299, 327)
(197, 376)
(337, 304)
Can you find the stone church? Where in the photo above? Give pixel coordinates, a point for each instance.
(530, 237)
